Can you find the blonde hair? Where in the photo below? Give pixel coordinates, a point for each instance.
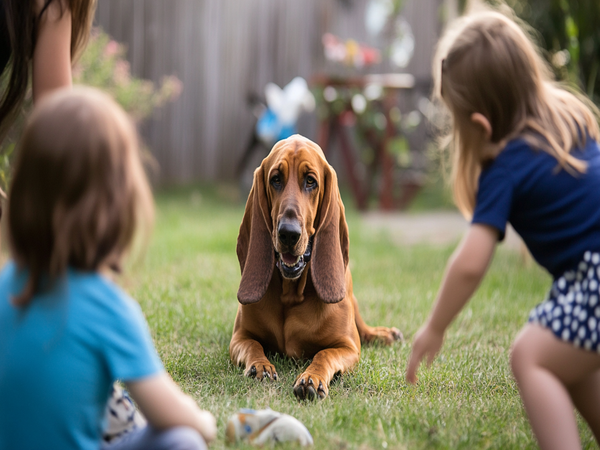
(486, 63)
(79, 192)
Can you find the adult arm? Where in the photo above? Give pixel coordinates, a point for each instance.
(165, 406)
(465, 270)
(52, 54)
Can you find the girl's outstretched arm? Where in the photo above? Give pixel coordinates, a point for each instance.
(464, 272)
(164, 405)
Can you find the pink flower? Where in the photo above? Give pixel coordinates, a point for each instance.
(173, 87)
(121, 74)
(111, 49)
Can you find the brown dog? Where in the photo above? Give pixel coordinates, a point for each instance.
(294, 220)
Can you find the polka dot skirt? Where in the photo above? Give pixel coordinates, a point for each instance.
(572, 308)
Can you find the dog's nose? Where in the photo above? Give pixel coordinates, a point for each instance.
(289, 233)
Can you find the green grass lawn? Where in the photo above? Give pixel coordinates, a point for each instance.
(187, 286)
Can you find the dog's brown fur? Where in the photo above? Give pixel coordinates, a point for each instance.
(312, 316)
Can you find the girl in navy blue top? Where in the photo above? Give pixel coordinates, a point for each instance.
(526, 152)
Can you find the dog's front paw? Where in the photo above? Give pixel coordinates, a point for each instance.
(309, 386)
(261, 370)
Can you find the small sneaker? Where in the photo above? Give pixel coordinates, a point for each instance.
(265, 425)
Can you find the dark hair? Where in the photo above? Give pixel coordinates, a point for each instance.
(22, 25)
(79, 191)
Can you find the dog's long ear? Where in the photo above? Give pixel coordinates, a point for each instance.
(254, 247)
(330, 248)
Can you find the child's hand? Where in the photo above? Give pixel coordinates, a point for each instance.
(206, 422)
(427, 342)
(464, 272)
(209, 425)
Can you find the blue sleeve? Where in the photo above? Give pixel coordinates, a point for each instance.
(494, 199)
(129, 350)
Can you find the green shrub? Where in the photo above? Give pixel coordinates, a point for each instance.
(102, 65)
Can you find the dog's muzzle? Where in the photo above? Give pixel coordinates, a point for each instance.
(291, 266)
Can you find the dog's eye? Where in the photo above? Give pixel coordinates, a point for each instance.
(310, 182)
(276, 181)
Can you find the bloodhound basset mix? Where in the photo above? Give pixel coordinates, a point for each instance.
(294, 221)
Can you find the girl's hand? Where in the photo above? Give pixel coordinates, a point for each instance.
(427, 343)
(464, 272)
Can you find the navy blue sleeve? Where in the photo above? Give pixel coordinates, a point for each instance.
(494, 199)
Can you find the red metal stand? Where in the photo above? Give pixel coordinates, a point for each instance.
(336, 126)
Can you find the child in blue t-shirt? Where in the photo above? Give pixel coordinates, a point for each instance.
(526, 152)
(67, 332)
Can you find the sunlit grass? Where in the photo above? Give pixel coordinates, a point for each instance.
(187, 288)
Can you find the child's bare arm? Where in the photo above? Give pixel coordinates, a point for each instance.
(164, 405)
(464, 272)
(52, 53)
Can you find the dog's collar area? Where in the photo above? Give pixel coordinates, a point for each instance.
(293, 267)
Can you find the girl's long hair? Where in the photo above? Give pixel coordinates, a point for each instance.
(486, 63)
(22, 25)
(79, 192)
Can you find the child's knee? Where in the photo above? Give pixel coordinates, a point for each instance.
(520, 355)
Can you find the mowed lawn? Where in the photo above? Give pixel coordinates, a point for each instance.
(187, 285)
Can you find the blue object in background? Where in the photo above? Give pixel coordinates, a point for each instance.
(284, 106)
(270, 130)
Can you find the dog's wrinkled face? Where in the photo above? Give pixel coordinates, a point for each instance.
(294, 201)
(294, 177)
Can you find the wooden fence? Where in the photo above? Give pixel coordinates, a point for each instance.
(223, 50)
